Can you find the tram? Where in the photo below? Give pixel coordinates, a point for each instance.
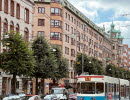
(100, 87)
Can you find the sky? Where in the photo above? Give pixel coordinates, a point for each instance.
(103, 12)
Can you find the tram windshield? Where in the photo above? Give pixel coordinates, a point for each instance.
(91, 88)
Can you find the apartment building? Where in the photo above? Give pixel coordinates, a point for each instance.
(64, 25)
(129, 58)
(125, 54)
(15, 15)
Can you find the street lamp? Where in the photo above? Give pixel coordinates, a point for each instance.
(54, 50)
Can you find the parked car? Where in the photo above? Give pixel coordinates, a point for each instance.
(57, 94)
(12, 97)
(32, 97)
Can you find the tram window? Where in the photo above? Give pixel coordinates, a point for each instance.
(127, 91)
(109, 87)
(88, 88)
(112, 87)
(122, 91)
(99, 88)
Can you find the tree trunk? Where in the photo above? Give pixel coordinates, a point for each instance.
(14, 84)
(36, 90)
(43, 86)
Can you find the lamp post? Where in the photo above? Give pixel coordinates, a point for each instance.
(83, 62)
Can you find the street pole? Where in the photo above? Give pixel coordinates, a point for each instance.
(83, 62)
(83, 53)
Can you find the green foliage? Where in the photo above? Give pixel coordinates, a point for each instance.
(112, 70)
(61, 70)
(91, 65)
(45, 62)
(18, 58)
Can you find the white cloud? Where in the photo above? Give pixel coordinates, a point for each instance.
(122, 25)
(118, 6)
(90, 8)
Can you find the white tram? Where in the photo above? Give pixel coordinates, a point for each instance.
(99, 87)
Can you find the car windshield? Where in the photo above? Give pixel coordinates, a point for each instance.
(57, 91)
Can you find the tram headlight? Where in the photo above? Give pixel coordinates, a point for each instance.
(81, 98)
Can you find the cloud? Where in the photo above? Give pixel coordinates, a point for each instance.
(119, 7)
(123, 26)
(103, 11)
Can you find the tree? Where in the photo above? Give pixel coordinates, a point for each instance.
(61, 70)
(78, 64)
(45, 62)
(18, 59)
(98, 66)
(110, 70)
(90, 65)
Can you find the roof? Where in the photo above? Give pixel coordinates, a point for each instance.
(69, 6)
(112, 24)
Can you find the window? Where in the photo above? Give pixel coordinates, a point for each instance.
(41, 10)
(17, 28)
(68, 16)
(18, 11)
(26, 16)
(99, 88)
(11, 26)
(40, 33)
(6, 6)
(66, 38)
(66, 50)
(67, 26)
(5, 29)
(56, 23)
(41, 22)
(0, 27)
(55, 36)
(56, 1)
(26, 35)
(56, 11)
(41, 0)
(72, 19)
(0, 5)
(72, 41)
(72, 52)
(12, 8)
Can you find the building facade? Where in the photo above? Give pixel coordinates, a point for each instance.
(126, 57)
(17, 16)
(117, 44)
(64, 25)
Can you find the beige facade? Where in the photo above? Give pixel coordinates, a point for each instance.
(67, 27)
(17, 16)
(125, 54)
